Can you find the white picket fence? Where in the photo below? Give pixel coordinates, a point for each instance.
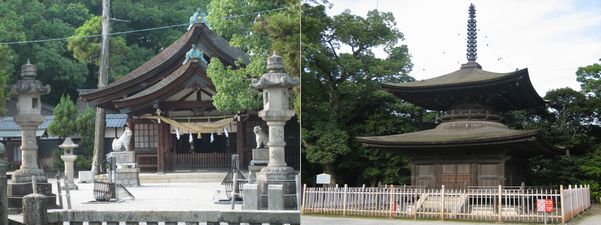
(512, 204)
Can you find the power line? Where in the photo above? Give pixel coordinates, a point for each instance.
(134, 31)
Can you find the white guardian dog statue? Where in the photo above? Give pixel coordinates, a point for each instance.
(123, 141)
(261, 137)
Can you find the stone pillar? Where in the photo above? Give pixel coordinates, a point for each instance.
(275, 196)
(3, 198)
(276, 85)
(251, 197)
(69, 158)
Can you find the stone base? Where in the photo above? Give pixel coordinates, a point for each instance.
(16, 192)
(24, 175)
(128, 177)
(278, 175)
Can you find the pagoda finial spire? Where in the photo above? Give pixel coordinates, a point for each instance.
(471, 35)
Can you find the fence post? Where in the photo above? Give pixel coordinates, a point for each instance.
(442, 203)
(414, 203)
(561, 199)
(391, 201)
(302, 209)
(500, 204)
(344, 200)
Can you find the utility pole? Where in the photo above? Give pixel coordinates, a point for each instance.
(102, 81)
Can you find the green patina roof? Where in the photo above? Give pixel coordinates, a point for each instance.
(452, 133)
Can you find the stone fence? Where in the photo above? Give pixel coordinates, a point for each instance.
(252, 217)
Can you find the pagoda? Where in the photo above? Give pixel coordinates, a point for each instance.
(470, 146)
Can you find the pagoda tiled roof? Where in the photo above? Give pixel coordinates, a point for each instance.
(502, 91)
(460, 134)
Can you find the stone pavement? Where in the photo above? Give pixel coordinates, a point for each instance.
(591, 217)
(154, 196)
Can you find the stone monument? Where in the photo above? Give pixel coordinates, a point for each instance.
(276, 85)
(68, 157)
(28, 91)
(127, 172)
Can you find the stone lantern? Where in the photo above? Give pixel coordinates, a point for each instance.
(69, 158)
(276, 85)
(28, 91)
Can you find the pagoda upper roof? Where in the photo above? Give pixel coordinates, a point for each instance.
(165, 63)
(461, 134)
(470, 85)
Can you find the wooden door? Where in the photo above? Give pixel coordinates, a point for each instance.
(424, 176)
(488, 174)
(455, 175)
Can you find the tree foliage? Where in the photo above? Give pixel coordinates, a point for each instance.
(342, 97)
(258, 36)
(63, 124)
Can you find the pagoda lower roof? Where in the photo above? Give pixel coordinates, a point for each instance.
(470, 85)
(165, 62)
(461, 134)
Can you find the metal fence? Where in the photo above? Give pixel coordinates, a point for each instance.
(481, 204)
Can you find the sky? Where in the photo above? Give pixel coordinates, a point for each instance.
(551, 38)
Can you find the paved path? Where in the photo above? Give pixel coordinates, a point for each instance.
(591, 217)
(157, 196)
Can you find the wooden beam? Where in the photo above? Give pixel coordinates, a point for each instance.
(187, 105)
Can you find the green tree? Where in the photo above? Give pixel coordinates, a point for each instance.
(342, 97)
(258, 36)
(590, 78)
(63, 124)
(6, 67)
(84, 125)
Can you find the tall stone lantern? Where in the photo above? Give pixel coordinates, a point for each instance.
(28, 91)
(69, 158)
(276, 85)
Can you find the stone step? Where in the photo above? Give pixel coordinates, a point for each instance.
(194, 177)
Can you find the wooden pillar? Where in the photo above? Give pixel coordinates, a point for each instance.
(130, 125)
(162, 134)
(240, 137)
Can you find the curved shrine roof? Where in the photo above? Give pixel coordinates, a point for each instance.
(165, 63)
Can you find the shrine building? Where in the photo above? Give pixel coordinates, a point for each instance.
(168, 100)
(470, 146)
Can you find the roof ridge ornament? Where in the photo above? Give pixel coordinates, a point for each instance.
(472, 46)
(198, 17)
(194, 53)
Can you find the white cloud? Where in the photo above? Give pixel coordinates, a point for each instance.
(551, 38)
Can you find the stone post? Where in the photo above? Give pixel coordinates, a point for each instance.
(251, 197)
(29, 117)
(276, 85)
(69, 158)
(3, 197)
(35, 210)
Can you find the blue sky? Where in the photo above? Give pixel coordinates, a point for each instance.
(551, 38)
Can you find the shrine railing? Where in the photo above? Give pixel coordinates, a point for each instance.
(194, 161)
(484, 204)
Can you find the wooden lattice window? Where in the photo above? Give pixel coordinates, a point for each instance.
(145, 135)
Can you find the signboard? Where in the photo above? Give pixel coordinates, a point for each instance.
(544, 205)
(323, 178)
(549, 205)
(540, 205)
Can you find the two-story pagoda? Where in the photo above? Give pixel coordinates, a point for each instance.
(470, 146)
(174, 85)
